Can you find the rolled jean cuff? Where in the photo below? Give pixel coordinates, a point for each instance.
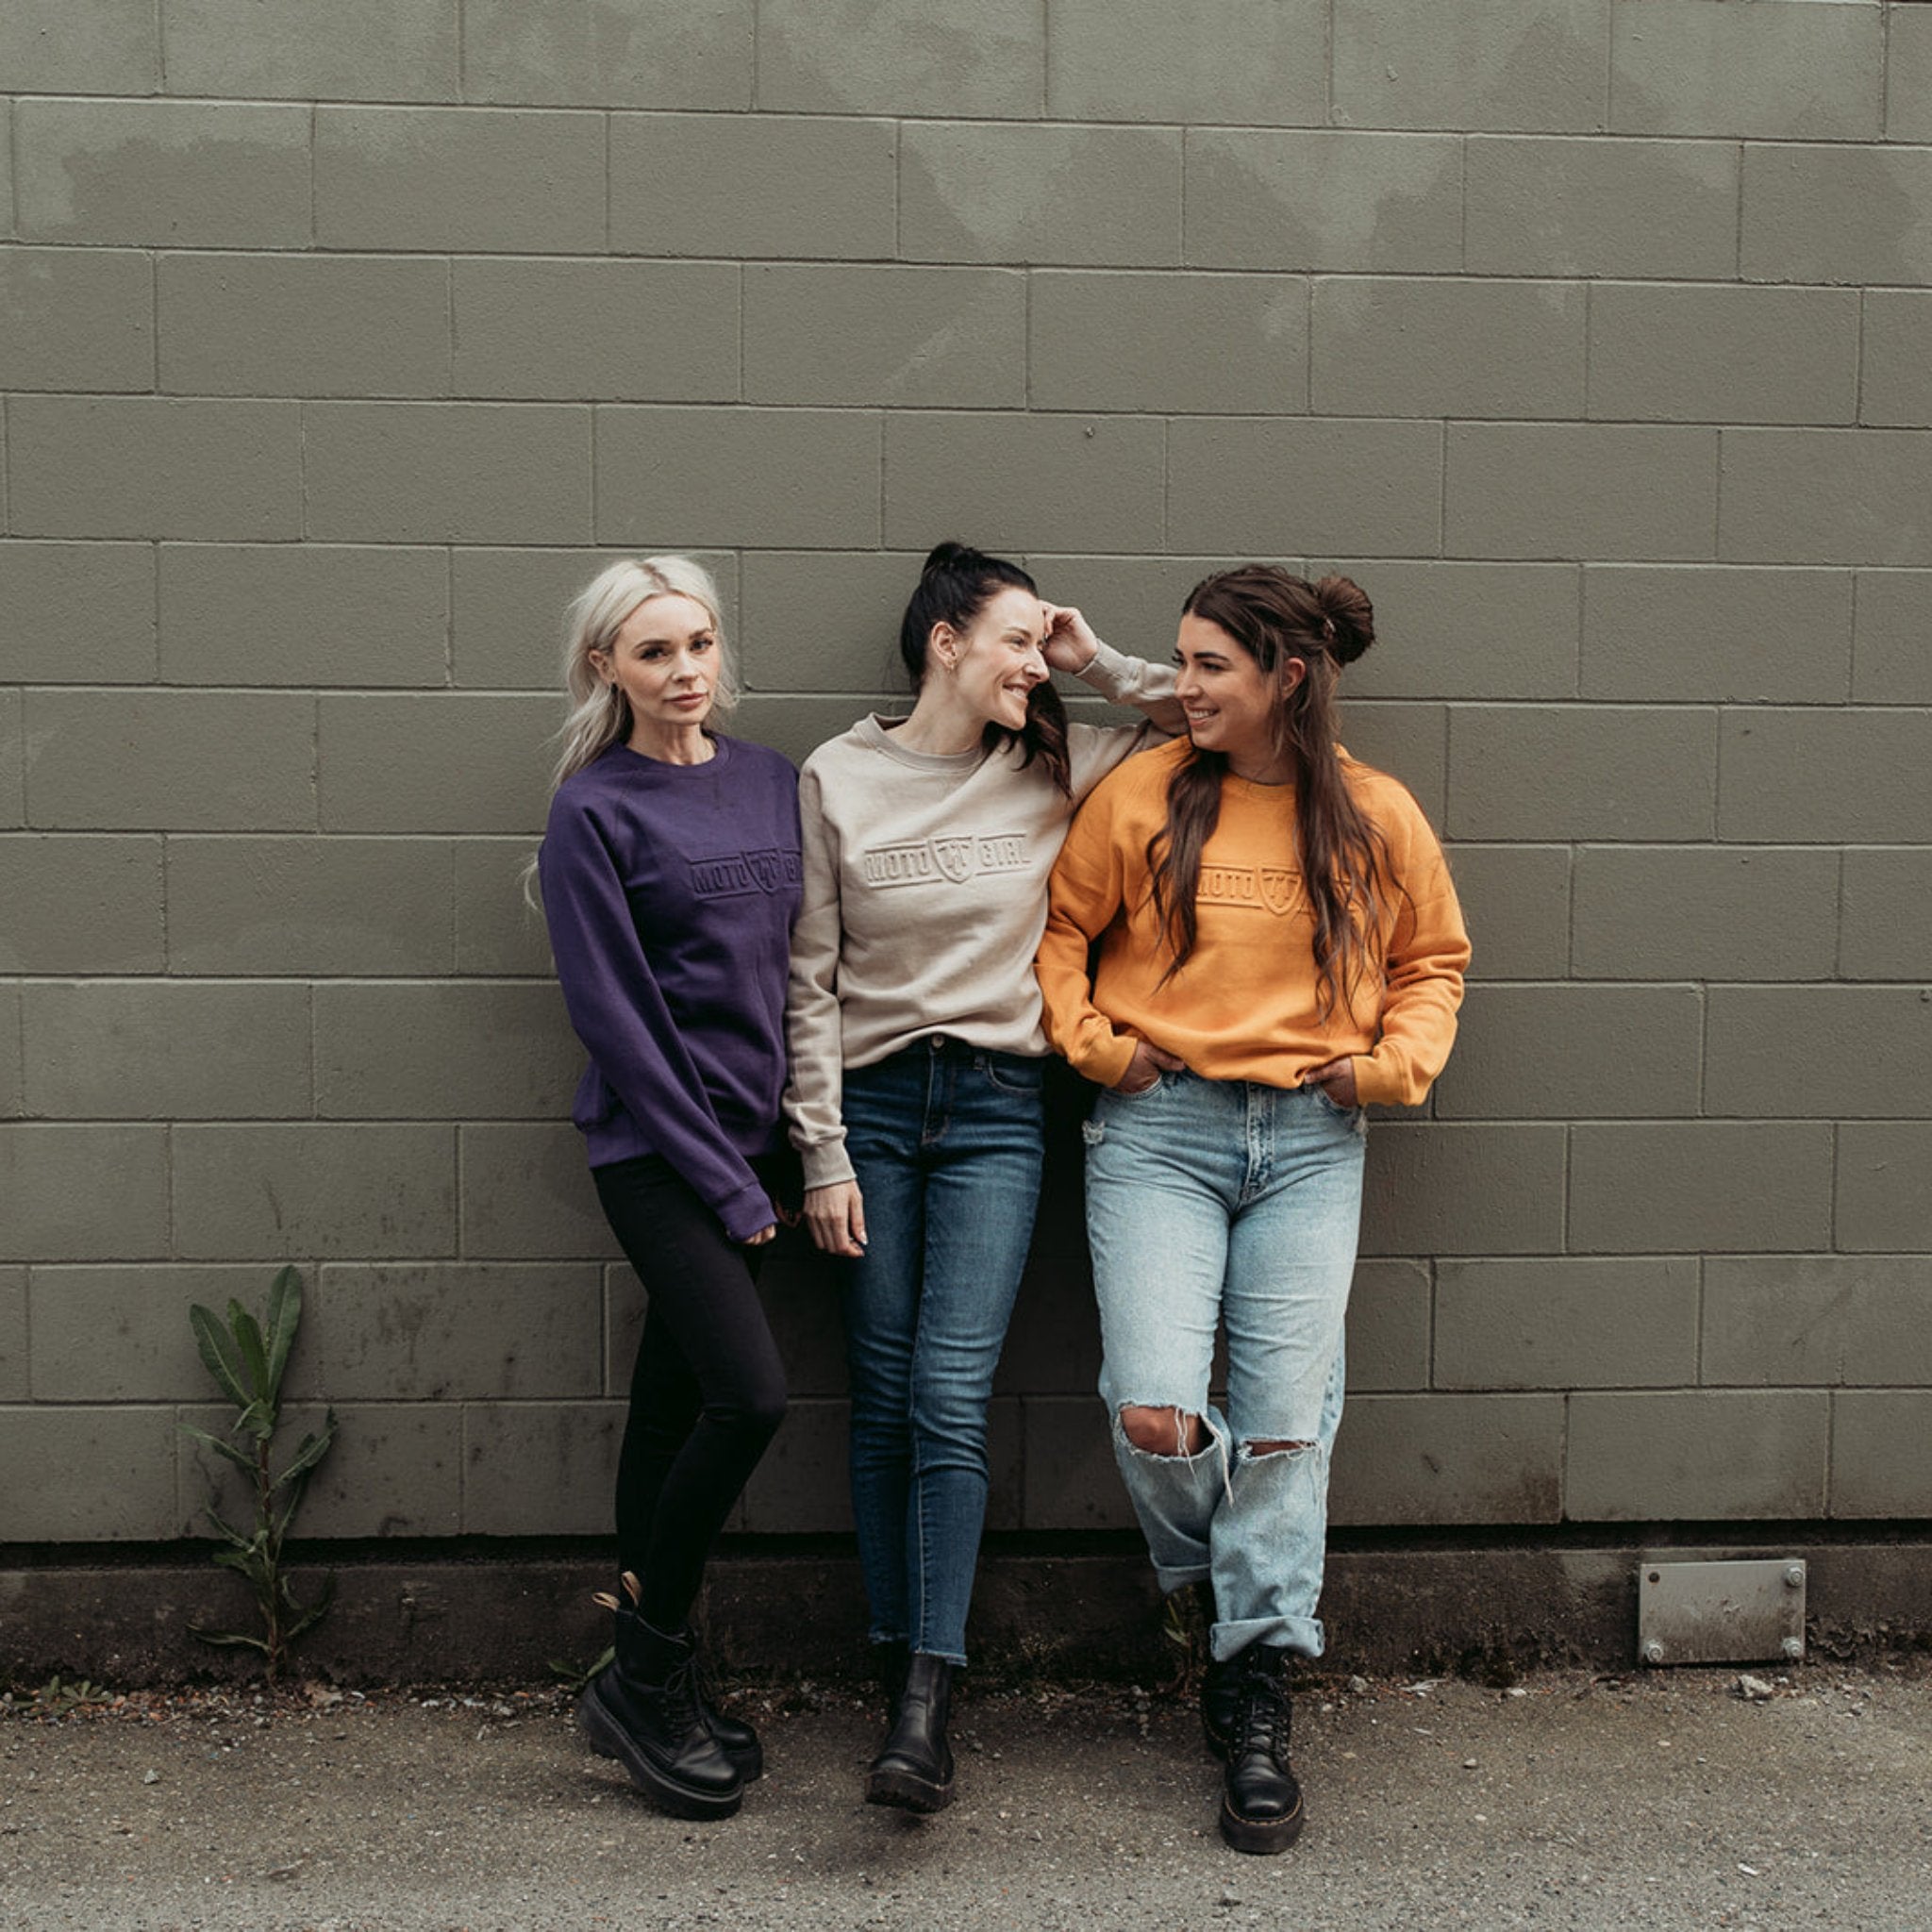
(1305, 1636)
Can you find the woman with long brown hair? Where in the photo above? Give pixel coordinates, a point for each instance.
(1279, 945)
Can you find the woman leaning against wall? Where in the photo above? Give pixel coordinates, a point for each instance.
(1279, 944)
(669, 873)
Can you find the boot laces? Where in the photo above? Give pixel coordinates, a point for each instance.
(1262, 1715)
(682, 1695)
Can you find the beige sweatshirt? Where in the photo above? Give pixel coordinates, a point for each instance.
(925, 896)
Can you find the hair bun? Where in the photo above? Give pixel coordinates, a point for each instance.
(1351, 618)
(950, 557)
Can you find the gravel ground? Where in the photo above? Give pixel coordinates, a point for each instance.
(1660, 1800)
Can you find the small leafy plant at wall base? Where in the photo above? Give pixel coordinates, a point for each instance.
(247, 1358)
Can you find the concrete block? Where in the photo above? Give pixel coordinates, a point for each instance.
(527, 1194)
(1421, 346)
(1574, 491)
(467, 1331)
(1463, 1189)
(1695, 912)
(651, 331)
(12, 1078)
(50, 1219)
(1568, 1052)
(794, 725)
(1574, 772)
(1200, 343)
(67, 1449)
(74, 604)
(475, 180)
(1685, 1455)
(435, 473)
(799, 1487)
(456, 762)
(1516, 900)
(1133, 602)
(357, 50)
(1846, 1052)
(1250, 62)
(1073, 1482)
(14, 1385)
(825, 620)
(539, 1468)
(951, 336)
(1322, 199)
(1389, 1318)
(77, 318)
(1896, 383)
(1561, 1323)
(1684, 1186)
(1815, 1320)
(1881, 1452)
(313, 1189)
(9, 222)
(1540, 66)
(1408, 742)
(1891, 638)
(361, 616)
(109, 47)
(81, 905)
(167, 1050)
(1736, 636)
(765, 186)
(614, 54)
(443, 1051)
(1441, 1459)
(200, 762)
(1885, 913)
(789, 477)
(1663, 208)
(1883, 1204)
(1824, 776)
(12, 760)
(905, 57)
(1362, 489)
(162, 173)
(1059, 482)
(122, 1334)
(1071, 194)
(509, 610)
(302, 326)
(154, 466)
(1052, 1344)
(1466, 630)
(1908, 76)
(1814, 212)
(1769, 73)
(309, 907)
(497, 930)
(1724, 355)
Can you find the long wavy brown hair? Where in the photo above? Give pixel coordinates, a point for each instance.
(1277, 617)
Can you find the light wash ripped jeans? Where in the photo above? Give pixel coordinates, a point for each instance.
(1227, 1202)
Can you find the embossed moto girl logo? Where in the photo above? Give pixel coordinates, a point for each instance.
(922, 862)
(762, 870)
(1275, 888)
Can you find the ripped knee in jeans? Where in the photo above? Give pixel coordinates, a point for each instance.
(1254, 1449)
(1163, 1431)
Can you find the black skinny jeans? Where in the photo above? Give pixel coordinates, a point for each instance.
(707, 1392)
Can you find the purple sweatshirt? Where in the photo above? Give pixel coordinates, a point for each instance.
(669, 892)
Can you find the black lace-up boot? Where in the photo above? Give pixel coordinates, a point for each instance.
(1261, 1805)
(736, 1739)
(644, 1710)
(1220, 1697)
(914, 1771)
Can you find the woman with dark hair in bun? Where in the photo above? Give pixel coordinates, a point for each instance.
(917, 1063)
(1279, 945)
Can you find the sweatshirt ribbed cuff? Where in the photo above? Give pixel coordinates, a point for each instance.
(826, 1164)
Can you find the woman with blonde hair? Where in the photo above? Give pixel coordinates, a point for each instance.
(670, 873)
(1279, 943)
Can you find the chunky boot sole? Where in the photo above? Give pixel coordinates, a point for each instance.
(906, 1791)
(1262, 1835)
(748, 1761)
(610, 1738)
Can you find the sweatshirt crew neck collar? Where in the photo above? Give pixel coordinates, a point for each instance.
(664, 768)
(874, 732)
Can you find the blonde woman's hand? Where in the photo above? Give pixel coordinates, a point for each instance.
(1069, 643)
(836, 1216)
(1335, 1078)
(1148, 1064)
(760, 1239)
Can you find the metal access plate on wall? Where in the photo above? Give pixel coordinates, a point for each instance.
(1720, 1613)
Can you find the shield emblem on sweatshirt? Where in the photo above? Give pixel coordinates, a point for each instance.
(1280, 888)
(767, 868)
(954, 857)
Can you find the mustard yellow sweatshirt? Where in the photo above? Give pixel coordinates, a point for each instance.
(1243, 1008)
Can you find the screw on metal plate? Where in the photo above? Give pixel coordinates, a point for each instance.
(1652, 1652)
